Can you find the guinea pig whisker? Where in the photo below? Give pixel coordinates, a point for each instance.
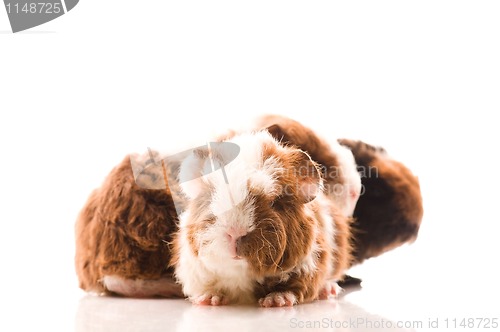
(168, 243)
(277, 238)
(270, 245)
(258, 256)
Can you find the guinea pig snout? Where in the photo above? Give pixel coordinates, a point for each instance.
(233, 236)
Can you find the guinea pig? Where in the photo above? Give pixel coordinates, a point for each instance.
(390, 211)
(123, 233)
(342, 182)
(382, 194)
(272, 225)
(260, 229)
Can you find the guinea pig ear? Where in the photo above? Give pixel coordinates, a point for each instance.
(191, 171)
(310, 182)
(277, 132)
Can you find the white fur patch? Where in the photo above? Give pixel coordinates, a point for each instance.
(213, 272)
(265, 178)
(142, 288)
(231, 182)
(351, 190)
(232, 177)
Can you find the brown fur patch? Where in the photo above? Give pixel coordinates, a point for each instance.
(265, 246)
(306, 285)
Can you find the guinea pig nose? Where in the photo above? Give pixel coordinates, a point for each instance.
(234, 236)
(235, 233)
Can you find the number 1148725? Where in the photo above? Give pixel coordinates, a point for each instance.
(34, 8)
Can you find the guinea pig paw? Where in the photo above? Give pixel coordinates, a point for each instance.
(210, 299)
(331, 288)
(278, 299)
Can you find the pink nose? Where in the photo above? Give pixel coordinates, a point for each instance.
(233, 235)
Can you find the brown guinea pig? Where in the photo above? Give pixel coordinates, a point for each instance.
(122, 236)
(258, 229)
(389, 212)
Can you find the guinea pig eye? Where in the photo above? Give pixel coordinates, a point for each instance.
(210, 220)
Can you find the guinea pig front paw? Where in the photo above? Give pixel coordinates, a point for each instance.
(210, 299)
(278, 299)
(330, 288)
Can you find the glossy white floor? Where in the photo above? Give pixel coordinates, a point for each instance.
(112, 77)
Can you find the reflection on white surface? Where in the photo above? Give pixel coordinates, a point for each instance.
(122, 314)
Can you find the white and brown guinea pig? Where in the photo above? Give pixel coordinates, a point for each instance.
(260, 229)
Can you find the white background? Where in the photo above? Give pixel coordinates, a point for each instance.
(113, 77)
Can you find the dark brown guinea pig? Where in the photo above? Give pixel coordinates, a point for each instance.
(389, 210)
(122, 236)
